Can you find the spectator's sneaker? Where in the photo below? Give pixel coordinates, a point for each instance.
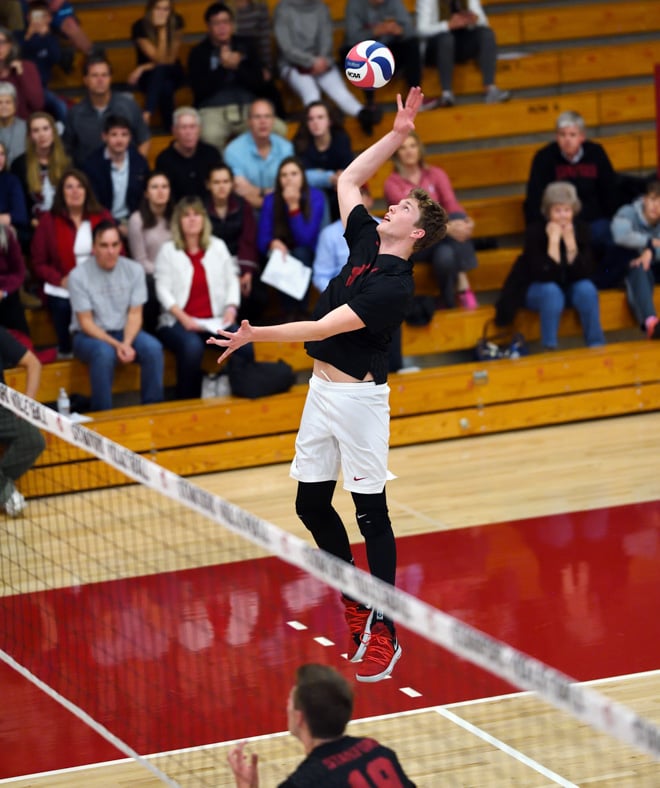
(467, 299)
(383, 652)
(358, 618)
(429, 103)
(652, 325)
(447, 99)
(12, 501)
(496, 96)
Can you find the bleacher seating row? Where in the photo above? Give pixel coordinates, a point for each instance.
(450, 330)
(204, 436)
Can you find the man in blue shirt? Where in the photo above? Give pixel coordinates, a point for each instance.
(255, 155)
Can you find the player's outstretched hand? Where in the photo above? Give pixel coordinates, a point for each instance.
(244, 767)
(232, 340)
(404, 121)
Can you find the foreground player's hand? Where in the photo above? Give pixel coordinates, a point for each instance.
(232, 340)
(404, 122)
(244, 767)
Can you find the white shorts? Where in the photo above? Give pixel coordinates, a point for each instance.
(347, 426)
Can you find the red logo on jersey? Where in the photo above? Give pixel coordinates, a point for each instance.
(355, 272)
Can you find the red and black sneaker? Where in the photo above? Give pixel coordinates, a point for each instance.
(382, 653)
(358, 618)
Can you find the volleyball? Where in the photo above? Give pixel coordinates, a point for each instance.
(369, 64)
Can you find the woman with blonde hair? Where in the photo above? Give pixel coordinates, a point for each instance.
(40, 168)
(198, 289)
(157, 40)
(559, 265)
(454, 255)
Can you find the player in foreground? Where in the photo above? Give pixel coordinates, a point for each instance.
(319, 708)
(345, 422)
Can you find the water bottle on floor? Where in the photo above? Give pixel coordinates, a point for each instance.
(63, 403)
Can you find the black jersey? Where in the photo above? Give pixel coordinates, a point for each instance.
(349, 763)
(378, 288)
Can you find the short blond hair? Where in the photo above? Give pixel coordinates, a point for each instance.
(560, 192)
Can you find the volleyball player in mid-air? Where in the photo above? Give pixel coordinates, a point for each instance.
(345, 422)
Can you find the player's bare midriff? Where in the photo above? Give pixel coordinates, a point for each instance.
(329, 372)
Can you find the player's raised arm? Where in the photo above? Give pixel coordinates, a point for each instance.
(367, 163)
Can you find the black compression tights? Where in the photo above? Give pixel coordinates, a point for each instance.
(314, 507)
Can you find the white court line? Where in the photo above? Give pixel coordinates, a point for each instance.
(480, 733)
(444, 710)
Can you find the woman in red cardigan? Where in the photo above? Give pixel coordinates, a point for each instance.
(63, 239)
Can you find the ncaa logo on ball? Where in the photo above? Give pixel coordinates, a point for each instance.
(369, 64)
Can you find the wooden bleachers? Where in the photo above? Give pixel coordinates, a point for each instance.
(535, 70)
(511, 27)
(450, 330)
(204, 436)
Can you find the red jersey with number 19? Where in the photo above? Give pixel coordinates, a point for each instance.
(349, 762)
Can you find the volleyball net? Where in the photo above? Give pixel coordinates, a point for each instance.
(148, 623)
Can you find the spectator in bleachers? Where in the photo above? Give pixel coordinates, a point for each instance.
(253, 20)
(83, 132)
(40, 168)
(22, 441)
(453, 256)
(198, 289)
(22, 74)
(226, 76)
(107, 295)
(13, 129)
(157, 39)
(42, 48)
(324, 148)
(64, 21)
(12, 276)
(390, 23)
(290, 221)
(585, 164)
(13, 212)
(233, 220)
(256, 154)
(636, 229)
(456, 31)
(187, 160)
(558, 262)
(63, 240)
(303, 32)
(117, 171)
(148, 230)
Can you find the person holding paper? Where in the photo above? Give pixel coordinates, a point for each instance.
(345, 422)
(290, 222)
(198, 289)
